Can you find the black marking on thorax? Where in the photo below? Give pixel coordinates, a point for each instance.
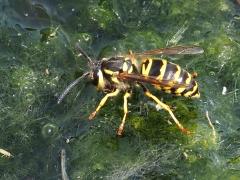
(114, 64)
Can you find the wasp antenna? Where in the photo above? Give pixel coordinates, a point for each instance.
(70, 86)
(82, 52)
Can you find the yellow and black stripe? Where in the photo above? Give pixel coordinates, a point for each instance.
(167, 71)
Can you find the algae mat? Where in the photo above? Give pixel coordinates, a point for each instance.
(38, 60)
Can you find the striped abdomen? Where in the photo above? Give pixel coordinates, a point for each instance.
(184, 84)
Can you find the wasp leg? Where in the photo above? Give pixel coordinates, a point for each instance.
(102, 102)
(167, 108)
(125, 108)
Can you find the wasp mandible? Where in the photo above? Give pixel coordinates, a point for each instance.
(120, 74)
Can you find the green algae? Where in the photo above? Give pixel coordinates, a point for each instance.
(38, 60)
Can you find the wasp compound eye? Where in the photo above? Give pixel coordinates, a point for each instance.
(95, 77)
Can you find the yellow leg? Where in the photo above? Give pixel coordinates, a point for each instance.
(102, 102)
(125, 108)
(167, 108)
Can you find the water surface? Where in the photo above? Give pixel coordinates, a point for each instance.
(38, 60)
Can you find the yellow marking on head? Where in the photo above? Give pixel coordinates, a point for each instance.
(125, 67)
(162, 70)
(146, 70)
(101, 83)
(190, 92)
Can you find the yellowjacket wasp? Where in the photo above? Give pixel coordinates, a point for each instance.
(120, 74)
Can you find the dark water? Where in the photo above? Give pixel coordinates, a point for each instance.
(37, 61)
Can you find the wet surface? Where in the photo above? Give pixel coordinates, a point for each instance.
(38, 60)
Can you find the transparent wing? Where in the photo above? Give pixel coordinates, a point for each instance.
(173, 50)
(151, 80)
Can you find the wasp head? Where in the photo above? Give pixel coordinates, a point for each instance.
(96, 76)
